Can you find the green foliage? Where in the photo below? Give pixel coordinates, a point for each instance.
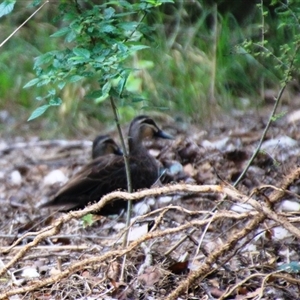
(102, 41)
(87, 220)
(174, 72)
(6, 7)
(281, 58)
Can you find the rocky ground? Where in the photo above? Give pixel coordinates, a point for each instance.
(195, 238)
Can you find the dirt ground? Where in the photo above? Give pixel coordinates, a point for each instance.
(196, 237)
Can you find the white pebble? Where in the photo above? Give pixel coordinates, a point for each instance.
(55, 176)
(220, 144)
(288, 205)
(15, 178)
(30, 272)
(165, 199)
(141, 208)
(281, 141)
(280, 233)
(137, 231)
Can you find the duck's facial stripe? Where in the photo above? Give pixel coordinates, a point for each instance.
(150, 124)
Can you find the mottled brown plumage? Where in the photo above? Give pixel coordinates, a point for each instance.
(107, 173)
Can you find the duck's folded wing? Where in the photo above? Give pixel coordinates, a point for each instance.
(94, 180)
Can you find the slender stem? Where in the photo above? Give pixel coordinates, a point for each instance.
(278, 98)
(125, 153)
(127, 166)
(15, 31)
(129, 182)
(262, 22)
(212, 97)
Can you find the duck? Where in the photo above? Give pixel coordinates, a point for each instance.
(107, 173)
(104, 145)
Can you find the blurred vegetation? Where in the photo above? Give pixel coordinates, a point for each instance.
(197, 63)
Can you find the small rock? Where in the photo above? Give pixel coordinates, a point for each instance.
(175, 168)
(289, 206)
(55, 176)
(30, 272)
(137, 231)
(165, 199)
(15, 178)
(282, 141)
(141, 208)
(220, 144)
(280, 233)
(189, 170)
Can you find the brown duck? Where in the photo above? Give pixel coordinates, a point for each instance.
(107, 173)
(103, 145)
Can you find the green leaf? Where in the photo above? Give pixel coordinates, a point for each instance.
(137, 99)
(107, 28)
(44, 81)
(35, 3)
(101, 99)
(82, 52)
(87, 220)
(61, 32)
(106, 88)
(52, 92)
(108, 13)
(31, 83)
(138, 47)
(55, 101)
(6, 7)
(71, 36)
(94, 94)
(122, 82)
(61, 85)
(129, 26)
(38, 112)
(75, 78)
(43, 59)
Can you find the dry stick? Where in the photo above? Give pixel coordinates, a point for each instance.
(277, 194)
(202, 237)
(206, 267)
(240, 284)
(49, 248)
(109, 255)
(52, 230)
(157, 191)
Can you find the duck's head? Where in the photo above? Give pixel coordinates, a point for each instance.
(103, 145)
(143, 127)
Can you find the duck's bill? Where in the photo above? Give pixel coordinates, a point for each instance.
(164, 135)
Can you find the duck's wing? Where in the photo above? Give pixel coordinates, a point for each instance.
(99, 177)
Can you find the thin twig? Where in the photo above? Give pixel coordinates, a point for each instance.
(18, 28)
(262, 136)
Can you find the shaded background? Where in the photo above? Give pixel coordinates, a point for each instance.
(195, 69)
